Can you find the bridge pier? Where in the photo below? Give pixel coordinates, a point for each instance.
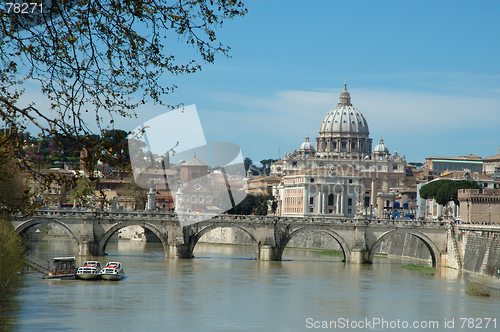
(359, 256)
(87, 246)
(180, 250)
(269, 253)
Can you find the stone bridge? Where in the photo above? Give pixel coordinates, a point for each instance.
(358, 238)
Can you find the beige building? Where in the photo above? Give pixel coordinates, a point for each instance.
(439, 165)
(200, 188)
(435, 211)
(480, 206)
(262, 185)
(319, 192)
(492, 164)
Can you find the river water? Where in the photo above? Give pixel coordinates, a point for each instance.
(225, 289)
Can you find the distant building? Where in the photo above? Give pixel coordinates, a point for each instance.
(319, 192)
(344, 142)
(479, 206)
(491, 164)
(200, 188)
(439, 165)
(434, 210)
(262, 185)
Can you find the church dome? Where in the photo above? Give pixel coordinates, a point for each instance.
(306, 146)
(381, 148)
(344, 117)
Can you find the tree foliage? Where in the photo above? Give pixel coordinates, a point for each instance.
(12, 259)
(445, 190)
(96, 60)
(248, 163)
(254, 204)
(13, 191)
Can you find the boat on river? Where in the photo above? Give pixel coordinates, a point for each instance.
(112, 271)
(62, 268)
(89, 270)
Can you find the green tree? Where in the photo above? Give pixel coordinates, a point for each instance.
(248, 163)
(254, 204)
(137, 195)
(12, 259)
(83, 192)
(266, 163)
(445, 190)
(13, 189)
(102, 58)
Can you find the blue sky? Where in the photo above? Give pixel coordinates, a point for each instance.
(425, 74)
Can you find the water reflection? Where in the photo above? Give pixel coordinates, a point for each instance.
(9, 313)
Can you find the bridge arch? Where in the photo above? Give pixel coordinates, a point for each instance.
(103, 242)
(433, 249)
(36, 221)
(333, 234)
(211, 227)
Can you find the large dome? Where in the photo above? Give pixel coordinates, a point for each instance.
(344, 131)
(344, 118)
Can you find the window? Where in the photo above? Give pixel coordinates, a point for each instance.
(200, 198)
(367, 184)
(186, 198)
(193, 198)
(349, 201)
(350, 180)
(394, 166)
(208, 199)
(294, 164)
(311, 200)
(349, 211)
(312, 179)
(344, 146)
(486, 185)
(194, 175)
(311, 210)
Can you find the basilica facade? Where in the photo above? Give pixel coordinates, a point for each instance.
(344, 146)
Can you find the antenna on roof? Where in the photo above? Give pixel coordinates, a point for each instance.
(279, 149)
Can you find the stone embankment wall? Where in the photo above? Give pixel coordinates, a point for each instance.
(307, 240)
(405, 245)
(482, 251)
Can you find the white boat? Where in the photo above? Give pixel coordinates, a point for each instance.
(112, 271)
(89, 270)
